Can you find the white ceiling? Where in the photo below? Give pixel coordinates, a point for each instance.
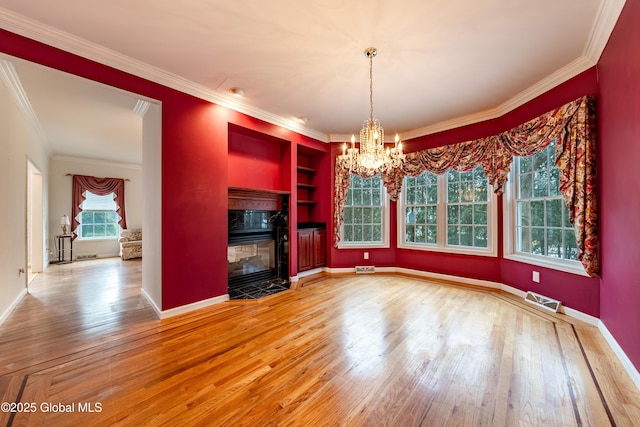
(440, 63)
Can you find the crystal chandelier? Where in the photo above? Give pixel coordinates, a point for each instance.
(373, 156)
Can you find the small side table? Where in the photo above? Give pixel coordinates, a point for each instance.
(61, 238)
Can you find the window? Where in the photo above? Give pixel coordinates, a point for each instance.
(467, 208)
(421, 211)
(99, 219)
(537, 226)
(366, 214)
(454, 212)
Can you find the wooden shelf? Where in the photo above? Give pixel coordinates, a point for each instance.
(306, 169)
(303, 185)
(309, 184)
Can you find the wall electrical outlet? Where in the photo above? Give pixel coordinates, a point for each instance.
(366, 255)
(536, 276)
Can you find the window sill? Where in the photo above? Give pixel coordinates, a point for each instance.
(97, 239)
(573, 267)
(363, 245)
(450, 250)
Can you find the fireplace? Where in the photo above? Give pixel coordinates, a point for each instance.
(255, 257)
(257, 251)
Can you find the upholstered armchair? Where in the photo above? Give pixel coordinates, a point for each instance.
(131, 243)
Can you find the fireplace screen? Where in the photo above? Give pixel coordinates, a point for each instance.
(250, 257)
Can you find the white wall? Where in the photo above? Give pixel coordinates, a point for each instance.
(152, 179)
(18, 144)
(60, 200)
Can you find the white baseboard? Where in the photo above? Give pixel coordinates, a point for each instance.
(13, 305)
(340, 270)
(98, 256)
(302, 274)
(586, 318)
(163, 314)
(448, 277)
(622, 356)
(513, 291)
(152, 302)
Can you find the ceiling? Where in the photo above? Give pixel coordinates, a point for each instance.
(440, 64)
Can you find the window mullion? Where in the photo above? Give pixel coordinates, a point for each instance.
(442, 210)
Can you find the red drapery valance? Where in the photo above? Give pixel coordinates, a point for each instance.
(571, 125)
(99, 187)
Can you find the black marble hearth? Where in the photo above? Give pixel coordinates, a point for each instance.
(259, 289)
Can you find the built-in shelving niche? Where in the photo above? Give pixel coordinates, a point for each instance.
(258, 161)
(308, 184)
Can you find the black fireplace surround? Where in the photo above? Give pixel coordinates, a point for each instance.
(258, 252)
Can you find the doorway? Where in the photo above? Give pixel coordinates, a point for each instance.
(35, 222)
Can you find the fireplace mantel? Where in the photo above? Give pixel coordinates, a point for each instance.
(251, 199)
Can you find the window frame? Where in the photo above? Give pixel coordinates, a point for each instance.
(80, 235)
(384, 244)
(510, 233)
(441, 242)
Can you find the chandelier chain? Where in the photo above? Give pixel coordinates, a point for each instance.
(371, 55)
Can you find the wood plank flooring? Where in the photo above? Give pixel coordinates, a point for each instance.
(85, 348)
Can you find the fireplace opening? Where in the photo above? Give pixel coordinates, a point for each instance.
(257, 251)
(246, 258)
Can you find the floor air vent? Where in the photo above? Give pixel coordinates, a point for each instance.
(544, 302)
(365, 269)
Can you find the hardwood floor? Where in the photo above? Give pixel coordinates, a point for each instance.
(344, 350)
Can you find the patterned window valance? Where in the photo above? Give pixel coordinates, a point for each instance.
(571, 125)
(99, 187)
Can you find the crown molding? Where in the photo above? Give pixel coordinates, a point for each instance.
(12, 81)
(339, 137)
(37, 31)
(97, 162)
(344, 137)
(603, 26)
(560, 76)
(452, 124)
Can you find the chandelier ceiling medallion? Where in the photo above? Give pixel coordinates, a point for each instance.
(372, 157)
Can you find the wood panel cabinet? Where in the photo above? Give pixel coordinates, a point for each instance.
(305, 250)
(312, 252)
(319, 248)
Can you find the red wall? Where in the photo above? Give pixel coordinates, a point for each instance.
(256, 163)
(577, 292)
(619, 137)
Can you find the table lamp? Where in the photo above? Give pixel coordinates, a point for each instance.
(64, 223)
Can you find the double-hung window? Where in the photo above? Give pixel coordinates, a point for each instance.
(99, 219)
(453, 212)
(366, 214)
(537, 227)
